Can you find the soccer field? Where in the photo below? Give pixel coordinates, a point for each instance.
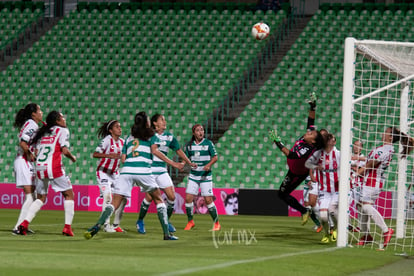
(246, 245)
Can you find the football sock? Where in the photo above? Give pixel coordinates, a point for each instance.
(213, 211)
(120, 211)
(162, 216)
(144, 209)
(189, 208)
(107, 198)
(105, 214)
(170, 207)
(364, 223)
(34, 208)
(69, 207)
(29, 198)
(313, 216)
(375, 215)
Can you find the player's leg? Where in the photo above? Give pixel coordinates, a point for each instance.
(324, 216)
(118, 216)
(41, 191)
(289, 184)
(333, 214)
(122, 189)
(148, 185)
(170, 193)
(207, 192)
(143, 212)
(69, 207)
(25, 180)
(106, 194)
(190, 193)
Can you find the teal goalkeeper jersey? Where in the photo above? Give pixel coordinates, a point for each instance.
(166, 141)
(200, 154)
(138, 155)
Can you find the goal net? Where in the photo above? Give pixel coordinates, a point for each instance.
(377, 94)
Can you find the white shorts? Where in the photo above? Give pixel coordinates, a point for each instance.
(314, 190)
(369, 194)
(24, 172)
(124, 184)
(327, 199)
(205, 187)
(163, 180)
(59, 184)
(106, 182)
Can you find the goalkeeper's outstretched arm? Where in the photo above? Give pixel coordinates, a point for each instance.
(312, 108)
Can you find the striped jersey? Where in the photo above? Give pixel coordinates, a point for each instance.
(327, 177)
(26, 134)
(108, 145)
(201, 155)
(138, 155)
(166, 141)
(356, 181)
(375, 177)
(49, 157)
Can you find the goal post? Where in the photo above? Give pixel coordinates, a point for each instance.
(376, 95)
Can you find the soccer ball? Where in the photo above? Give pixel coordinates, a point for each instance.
(260, 31)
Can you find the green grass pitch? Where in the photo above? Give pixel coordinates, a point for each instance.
(246, 245)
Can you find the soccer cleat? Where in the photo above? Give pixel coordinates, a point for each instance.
(170, 238)
(171, 228)
(15, 232)
(333, 235)
(325, 239)
(365, 239)
(108, 228)
(189, 225)
(23, 227)
(387, 236)
(91, 232)
(67, 231)
(216, 226)
(318, 228)
(118, 229)
(141, 227)
(305, 217)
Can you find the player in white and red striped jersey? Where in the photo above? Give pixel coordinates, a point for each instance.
(109, 151)
(358, 160)
(325, 164)
(51, 141)
(374, 177)
(27, 120)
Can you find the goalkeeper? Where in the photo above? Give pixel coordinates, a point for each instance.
(296, 158)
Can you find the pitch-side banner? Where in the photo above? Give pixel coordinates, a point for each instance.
(87, 198)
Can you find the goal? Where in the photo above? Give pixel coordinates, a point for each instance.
(377, 94)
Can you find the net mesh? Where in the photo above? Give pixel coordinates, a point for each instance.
(376, 106)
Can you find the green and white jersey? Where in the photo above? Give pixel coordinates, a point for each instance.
(138, 155)
(200, 154)
(166, 141)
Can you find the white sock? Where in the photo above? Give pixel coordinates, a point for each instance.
(120, 211)
(69, 206)
(162, 209)
(34, 208)
(375, 215)
(107, 198)
(29, 198)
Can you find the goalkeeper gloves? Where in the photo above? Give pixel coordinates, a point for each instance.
(312, 101)
(276, 138)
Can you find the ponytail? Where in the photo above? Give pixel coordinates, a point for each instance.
(51, 121)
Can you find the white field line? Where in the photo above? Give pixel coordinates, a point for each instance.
(254, 260)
